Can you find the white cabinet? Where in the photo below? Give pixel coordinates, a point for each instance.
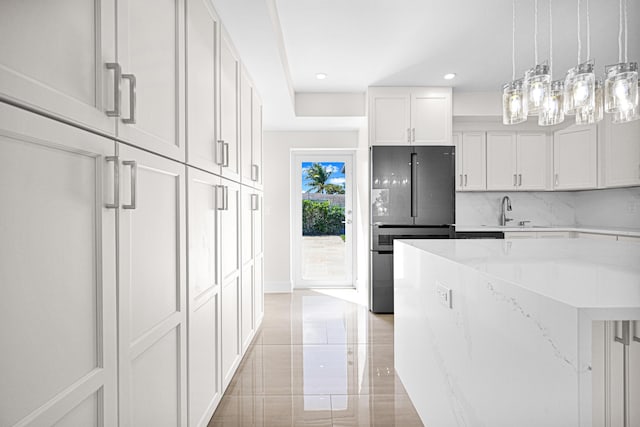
(471, 161)
(575, 158)
(404, 116)
(151, 54)
(621, 154)
(229, 140)
(57, 273)
(53, 57)
(203, 30)
(205, 385)
(230, 278)
(152, 290)
(517, 161)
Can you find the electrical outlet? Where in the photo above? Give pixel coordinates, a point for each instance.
(444, 295)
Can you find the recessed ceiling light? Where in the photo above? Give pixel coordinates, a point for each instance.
(449, 76)
(321, 76)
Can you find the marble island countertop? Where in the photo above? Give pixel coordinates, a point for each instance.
(581, 273)
(620, 231)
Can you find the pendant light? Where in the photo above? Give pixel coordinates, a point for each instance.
(628, 115)
(621, 84)
(552, 112)
(537, 80)
(514, 105)
(587, 92)
(586, 116)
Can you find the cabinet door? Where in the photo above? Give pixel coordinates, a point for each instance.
(246, 128)
(151, 51)
(390, 116)
(152, 290)
(256, 152)
(431, 116)
(246, 231)
(622, 154)
(575, 158)
(258, 218)
(474, 161)
(534, 161)
(501, 161)
(57, 273)
(229, 108)
(205, 385)
(202, 70)
(230, 229)
(53, 57)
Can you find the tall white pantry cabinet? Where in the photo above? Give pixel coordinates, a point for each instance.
(131, 223)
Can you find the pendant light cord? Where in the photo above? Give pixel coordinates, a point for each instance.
(513, 42)
(535, 32)
(579, 36)
(626, 40)
(620, 35)
(588, 33)
(550, 41)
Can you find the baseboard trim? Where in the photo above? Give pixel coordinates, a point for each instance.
(277, 287)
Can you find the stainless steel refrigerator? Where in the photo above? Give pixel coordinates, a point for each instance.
(412, 197)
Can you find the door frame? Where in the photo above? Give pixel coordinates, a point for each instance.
(349, 158)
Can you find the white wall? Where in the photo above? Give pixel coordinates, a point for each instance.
(277, 200)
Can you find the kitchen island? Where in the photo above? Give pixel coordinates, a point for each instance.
(500, 333)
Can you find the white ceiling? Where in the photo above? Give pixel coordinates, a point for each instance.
(361, 43)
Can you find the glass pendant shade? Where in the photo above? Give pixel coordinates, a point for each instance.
(552, 112)
(514, 105)
(584, 87)
(594, 114)
(621, 88)
(569, 106)
(628, 115)
(537, 83)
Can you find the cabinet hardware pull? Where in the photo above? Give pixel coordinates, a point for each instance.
(460, 180)
(408, 134)
(117, 75)
(413, 134)
(220, 197)
(515, 180)
(226, 197)
(134, 183)
(636, 329)
(132, 99)
(520, 180)
(116, 182)
(254, 202)
(465, 180)
(557, 181)
(220, 152)
(255, 172)
(225, 151)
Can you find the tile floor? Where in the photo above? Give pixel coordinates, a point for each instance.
(317, 360)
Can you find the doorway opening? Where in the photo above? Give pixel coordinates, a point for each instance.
(322, 212)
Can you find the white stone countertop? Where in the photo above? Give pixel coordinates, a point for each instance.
(582, 273)
(620, 231)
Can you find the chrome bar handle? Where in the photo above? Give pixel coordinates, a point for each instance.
(254, 202)
(220, 197)
(624, 339)
(117, 74)
(226, 155)
(413, 134)
(636, 331)
(255, 172)
(460, 180)
(132, 99)
(465, 180)
(220, 152)
(557, 180)
(116, 182)
(408, 134)
(519, 180)
(515, 180)
(226, 197)
(134, 183)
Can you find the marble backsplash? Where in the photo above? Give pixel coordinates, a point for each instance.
(618, 207)
(615, 207)
(541, 208)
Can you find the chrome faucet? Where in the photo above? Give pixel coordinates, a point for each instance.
(505, 206)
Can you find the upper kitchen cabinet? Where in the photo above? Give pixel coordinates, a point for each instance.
(410, 116)
(256, 151)
(621, 154)
(228, 140)
(250, 132)
(575, 158)
(203, 30)
(518, 161)
(471, 161)
(151, 56)
(60, 58)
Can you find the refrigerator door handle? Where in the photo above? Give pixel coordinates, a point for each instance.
(414, 184)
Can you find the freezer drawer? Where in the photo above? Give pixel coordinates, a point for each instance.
(381, 295)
